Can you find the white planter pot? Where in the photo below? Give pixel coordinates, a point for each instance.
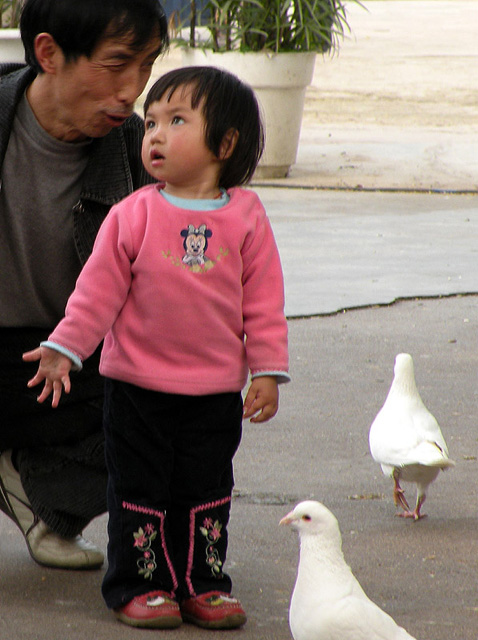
(279, 81)
(11, 46)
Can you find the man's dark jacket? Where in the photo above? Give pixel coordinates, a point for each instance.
(114, 168)
(113, 171)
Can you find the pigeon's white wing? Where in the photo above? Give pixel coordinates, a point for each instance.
(349, 619)
(392, 436)
(427, 428)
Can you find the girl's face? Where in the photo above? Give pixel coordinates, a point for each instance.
(174, 149)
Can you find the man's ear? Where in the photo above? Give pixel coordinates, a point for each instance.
(228, 144)
(47, 52)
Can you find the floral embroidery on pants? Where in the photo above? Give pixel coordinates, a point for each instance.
(212, 532)
(142, 540)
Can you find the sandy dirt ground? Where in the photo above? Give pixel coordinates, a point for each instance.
(396, 68)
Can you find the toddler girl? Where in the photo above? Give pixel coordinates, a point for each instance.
(185, 286)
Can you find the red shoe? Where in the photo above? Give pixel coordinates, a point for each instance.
(214, 610)
(154, 609)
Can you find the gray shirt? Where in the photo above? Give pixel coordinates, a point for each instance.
(40, 183)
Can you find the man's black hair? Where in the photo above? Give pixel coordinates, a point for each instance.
(78, 26)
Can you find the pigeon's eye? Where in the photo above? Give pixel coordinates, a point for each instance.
(306, 518)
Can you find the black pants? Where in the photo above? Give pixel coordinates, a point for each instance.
(59, 452)
(169, 460)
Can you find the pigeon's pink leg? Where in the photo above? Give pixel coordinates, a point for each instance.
(398, 493)
(415, 514)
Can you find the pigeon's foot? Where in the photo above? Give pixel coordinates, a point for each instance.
(398, 493)
(420, 500)
(412, 514)
(415, 514)
(399, 497)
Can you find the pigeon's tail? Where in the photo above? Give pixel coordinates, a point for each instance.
(443, 463)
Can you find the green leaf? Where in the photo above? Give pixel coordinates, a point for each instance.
(271, 25)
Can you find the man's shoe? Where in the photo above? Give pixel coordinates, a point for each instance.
(214, 610)
(45, 547)
(152, 610)
(51, 550)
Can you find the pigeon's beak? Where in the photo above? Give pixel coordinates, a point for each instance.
(287, 519)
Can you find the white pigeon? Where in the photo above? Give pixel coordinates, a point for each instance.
(328, 602)
(406, 440)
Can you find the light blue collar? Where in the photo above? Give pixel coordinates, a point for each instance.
(197, 204)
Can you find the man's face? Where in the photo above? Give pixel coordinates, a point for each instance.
(94, 95)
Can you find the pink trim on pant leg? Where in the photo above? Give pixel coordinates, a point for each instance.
(192, 526)
(159, 514)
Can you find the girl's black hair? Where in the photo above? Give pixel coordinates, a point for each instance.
(78, 26)
(227, 104)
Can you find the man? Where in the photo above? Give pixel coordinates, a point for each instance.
(69, 149)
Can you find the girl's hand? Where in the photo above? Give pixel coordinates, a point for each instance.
(262, 400)
(54, 369)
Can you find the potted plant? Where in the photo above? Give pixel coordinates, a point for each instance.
(11, 47)
(272, 45)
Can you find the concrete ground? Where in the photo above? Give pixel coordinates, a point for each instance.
(369, 273)
(424, 574)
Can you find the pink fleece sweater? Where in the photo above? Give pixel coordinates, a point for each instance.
(187, 301)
